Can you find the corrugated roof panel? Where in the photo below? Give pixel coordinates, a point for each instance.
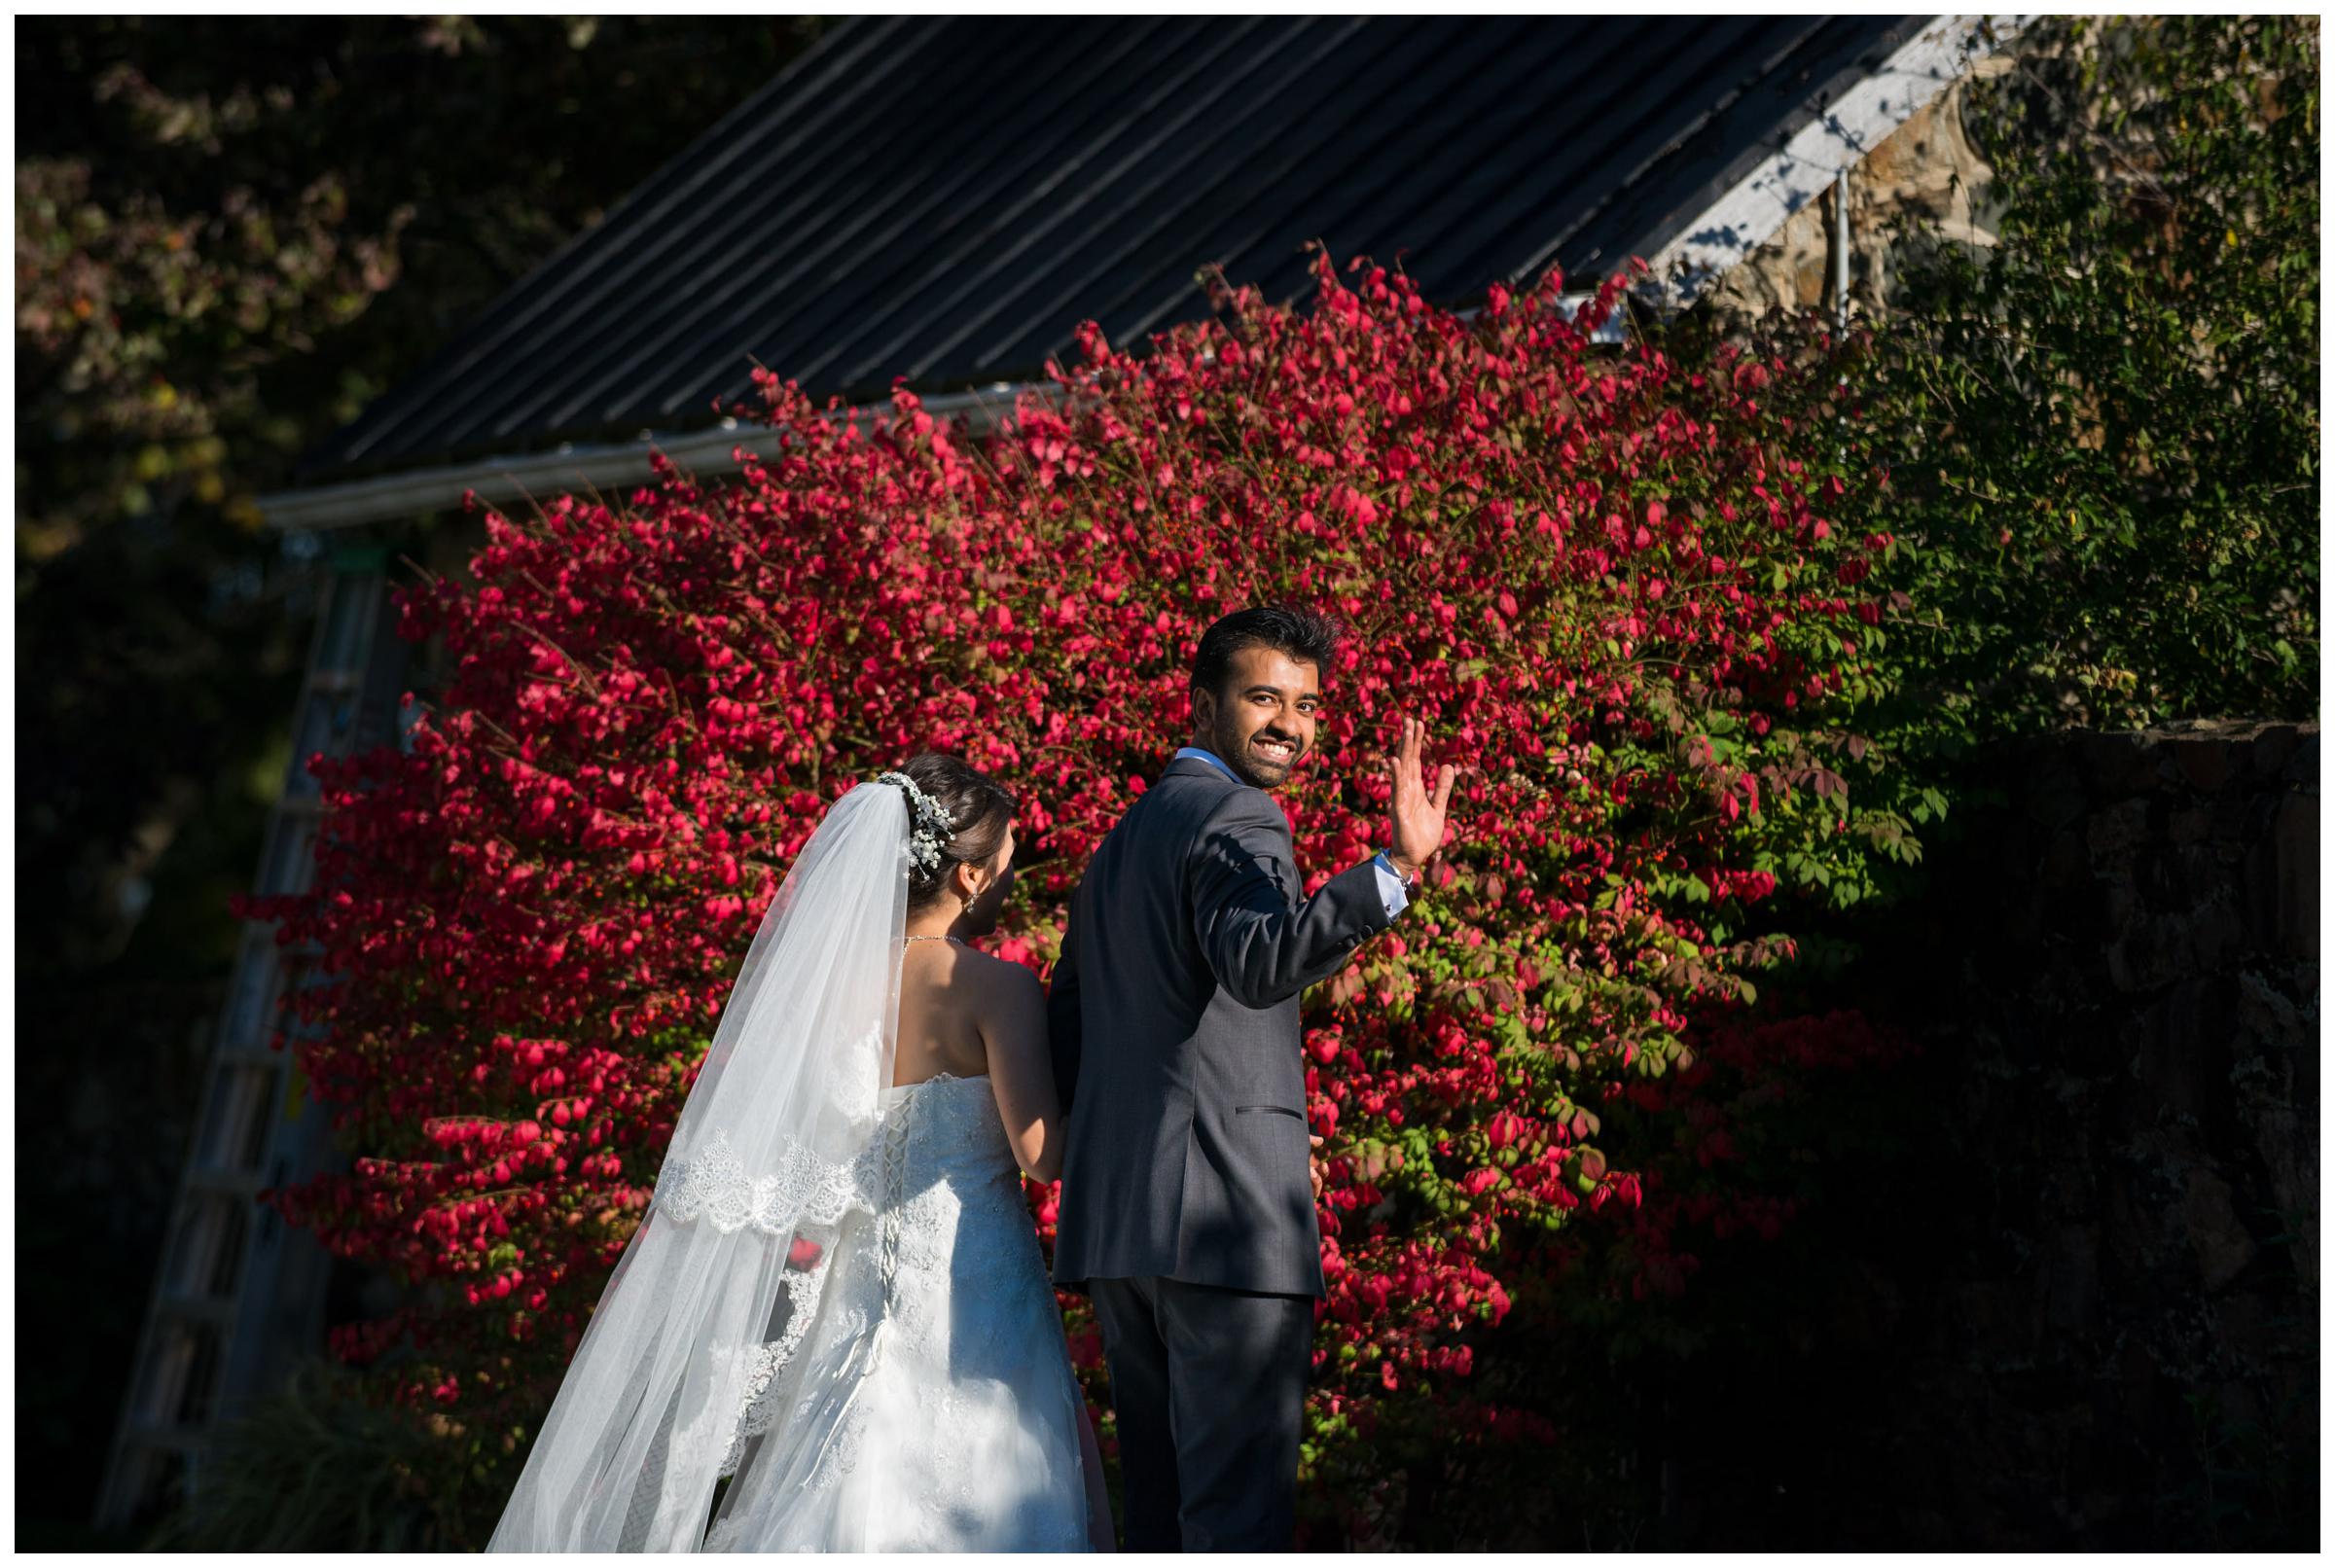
(1147, 181)
(946, 198)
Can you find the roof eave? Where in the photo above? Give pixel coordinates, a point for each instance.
(571, 467)
(618, 464)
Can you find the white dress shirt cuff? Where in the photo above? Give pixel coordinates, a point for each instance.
(1391, 891)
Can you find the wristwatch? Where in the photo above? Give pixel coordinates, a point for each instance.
(1387, 857)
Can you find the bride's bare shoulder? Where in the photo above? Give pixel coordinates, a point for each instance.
(998, 975)
(999, 993)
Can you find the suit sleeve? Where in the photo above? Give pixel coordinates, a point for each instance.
(1064, 1029)
(1265, 943)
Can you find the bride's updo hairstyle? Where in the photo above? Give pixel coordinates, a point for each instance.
(980, 810)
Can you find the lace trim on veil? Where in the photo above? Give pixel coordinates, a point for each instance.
(760, 1409)
(804, 1190)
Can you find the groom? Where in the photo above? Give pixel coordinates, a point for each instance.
(1187, 1207)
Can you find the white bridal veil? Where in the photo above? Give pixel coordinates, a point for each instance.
(683, 1358)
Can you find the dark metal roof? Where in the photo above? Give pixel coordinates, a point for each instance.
(946, 198)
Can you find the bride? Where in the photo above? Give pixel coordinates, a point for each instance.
(836, 1298)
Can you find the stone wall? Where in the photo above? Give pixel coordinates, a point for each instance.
(2130, 1045)
(1927, 169)
(2067, 1295)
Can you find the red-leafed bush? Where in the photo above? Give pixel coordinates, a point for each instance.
(1615, 586)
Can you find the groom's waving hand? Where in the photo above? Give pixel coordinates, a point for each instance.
(1187, 1201)
(1266, 945)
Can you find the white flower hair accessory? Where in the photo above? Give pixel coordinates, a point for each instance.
(930, 826)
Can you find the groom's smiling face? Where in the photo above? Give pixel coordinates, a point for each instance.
(1263, 720)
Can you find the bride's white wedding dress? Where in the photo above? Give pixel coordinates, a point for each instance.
(836, 1298)
(942, 1413)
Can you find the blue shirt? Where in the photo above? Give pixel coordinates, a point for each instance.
(1391, 891)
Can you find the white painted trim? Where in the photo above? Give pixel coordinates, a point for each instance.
(1759, 204)
(617, 465)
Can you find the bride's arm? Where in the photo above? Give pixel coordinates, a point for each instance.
(1013, 1027)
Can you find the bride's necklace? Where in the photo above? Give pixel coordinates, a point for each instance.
(942, 938)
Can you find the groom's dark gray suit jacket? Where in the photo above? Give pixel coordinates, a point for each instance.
(1173, 1016)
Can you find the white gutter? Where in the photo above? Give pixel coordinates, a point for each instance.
(1751, 213)
(616, 465)
(620, 465)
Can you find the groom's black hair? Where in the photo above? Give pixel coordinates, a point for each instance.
(1302, 634)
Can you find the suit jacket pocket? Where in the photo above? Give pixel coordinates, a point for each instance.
(1275, 1110)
